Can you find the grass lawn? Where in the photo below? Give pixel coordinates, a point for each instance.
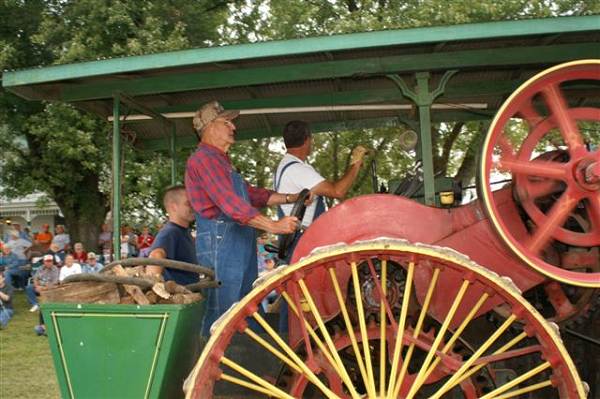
(26, 367)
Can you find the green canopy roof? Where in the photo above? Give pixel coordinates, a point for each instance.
(333, 82)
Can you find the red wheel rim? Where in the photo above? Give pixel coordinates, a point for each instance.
(578, 189)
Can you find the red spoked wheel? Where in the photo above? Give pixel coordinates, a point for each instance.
(546, 140)
(406, 321)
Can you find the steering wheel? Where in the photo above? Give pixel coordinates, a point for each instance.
(298, 211)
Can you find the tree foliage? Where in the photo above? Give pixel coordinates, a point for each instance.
(59, 150)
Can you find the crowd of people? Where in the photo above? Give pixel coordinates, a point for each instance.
(38, 261)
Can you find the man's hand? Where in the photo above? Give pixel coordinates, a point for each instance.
(358, 154)
(307, 202)
(285, 225)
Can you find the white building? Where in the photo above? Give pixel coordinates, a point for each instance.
(27, 212)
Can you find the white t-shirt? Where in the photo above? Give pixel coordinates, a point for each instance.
(296, 178)
(18, 247)
(62, 240)
(65, 271)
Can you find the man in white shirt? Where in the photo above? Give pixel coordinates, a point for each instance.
(69, 268)
(294, 174)
(18, 245)
(62, 239)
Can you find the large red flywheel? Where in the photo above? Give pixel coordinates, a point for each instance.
(546, 139)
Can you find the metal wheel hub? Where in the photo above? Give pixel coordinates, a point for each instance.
(587, 173)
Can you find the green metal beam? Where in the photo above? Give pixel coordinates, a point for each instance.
(244, 134)
(373, 96)
(135, 105)
(332, 69)
(478, 31)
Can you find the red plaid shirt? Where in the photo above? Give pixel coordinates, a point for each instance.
(210, 188)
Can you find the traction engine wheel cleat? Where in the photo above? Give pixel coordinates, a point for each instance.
(432, 340)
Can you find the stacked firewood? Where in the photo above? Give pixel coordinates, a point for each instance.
(111, 287)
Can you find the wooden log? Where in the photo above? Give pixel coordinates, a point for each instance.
(152, 297)
(192, 298)
(127, 300)
(184, 299)
(133, 290)
(82, 292)
(173, 288)
(159, 289)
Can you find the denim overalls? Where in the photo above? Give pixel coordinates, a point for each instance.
(230, 248)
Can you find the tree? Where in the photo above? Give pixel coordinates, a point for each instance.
(55, 148)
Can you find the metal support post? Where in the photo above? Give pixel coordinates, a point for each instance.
(116, 176)
(423, 99)
(425, 132)
(173, 155)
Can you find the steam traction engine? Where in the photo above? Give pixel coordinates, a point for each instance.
(389, 298)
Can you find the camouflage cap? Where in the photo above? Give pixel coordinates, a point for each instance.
(211, 111)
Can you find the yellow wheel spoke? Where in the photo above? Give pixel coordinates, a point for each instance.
(363, 325)
(527, 389)
(401, 324)
(382, 330)
(309, 329)
(411, 348)
(246, 384)
(251, 376)
(285, 347)
(452, 381)
(517, 381)
(350, 329)
(457, 333)
(272, 349)
(340, 365)
(503, 349)
(420, 378)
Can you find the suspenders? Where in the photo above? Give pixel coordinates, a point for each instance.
(277, 182)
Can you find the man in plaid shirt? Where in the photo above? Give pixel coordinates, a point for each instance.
(225, 208)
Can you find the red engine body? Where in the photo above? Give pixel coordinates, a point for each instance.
(464, 229)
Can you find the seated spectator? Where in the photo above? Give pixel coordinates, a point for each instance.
(105, 241)
(59, 254)
(12, 266)
(8, 259)
(18, 245)
(6, 307)
(132, 242)
(145, 239)
(124, 246)
(44, 237)
(46, 277)
(62, 239)
(79, 253)
(27, 234)
(69, 268)
(92, 265)
(22, 233)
